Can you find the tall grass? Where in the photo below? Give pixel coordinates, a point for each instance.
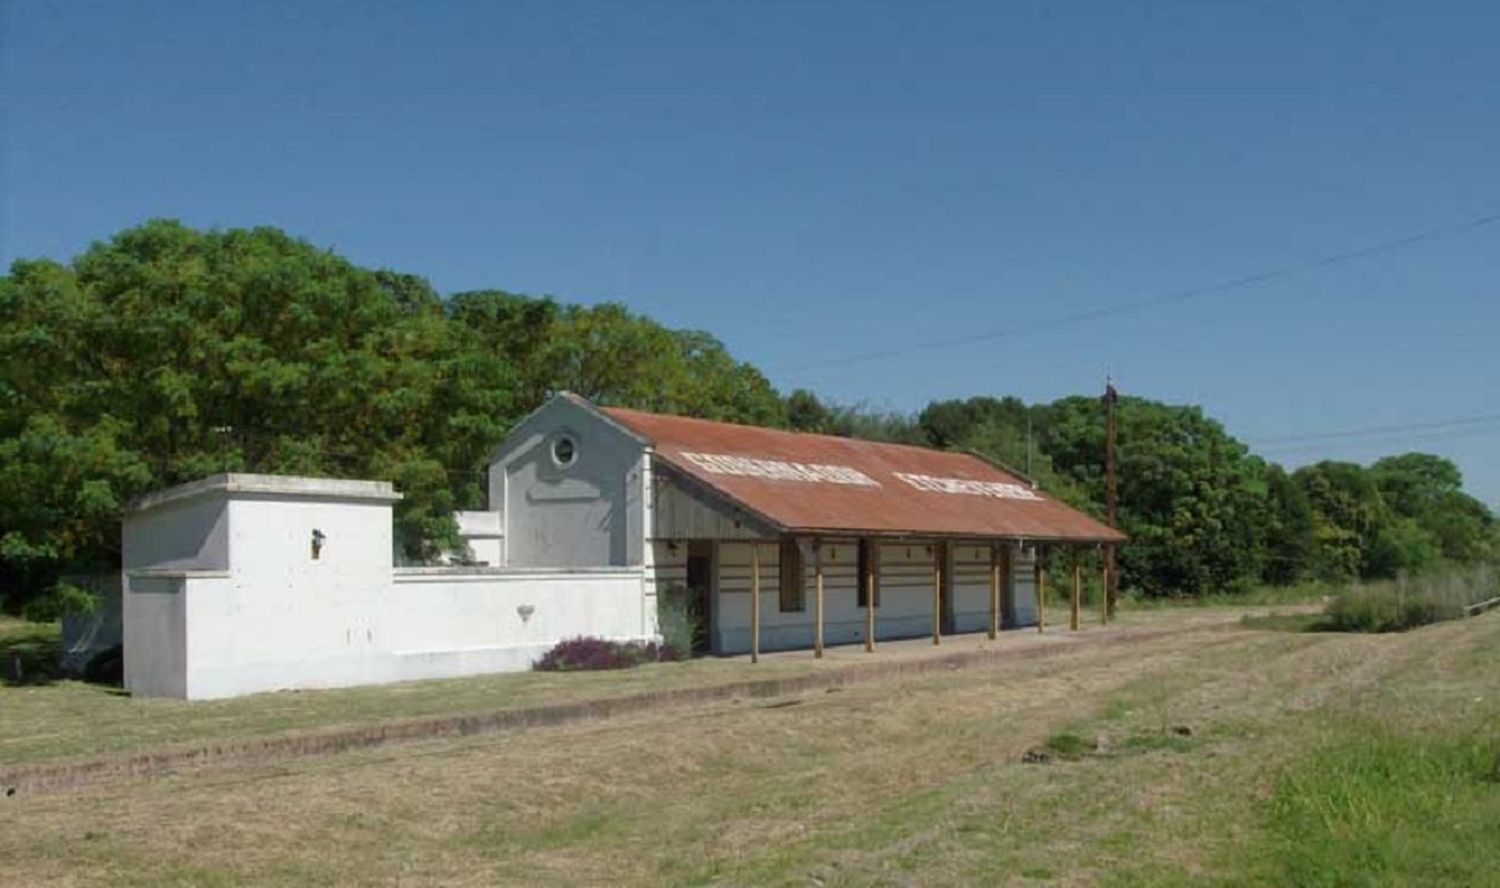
(1409, 601)
(1375, 807)
(1308, 592)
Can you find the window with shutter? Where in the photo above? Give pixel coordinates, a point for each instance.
(793, 594)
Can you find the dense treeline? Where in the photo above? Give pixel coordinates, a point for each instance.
(166, 354)
(1204, 513)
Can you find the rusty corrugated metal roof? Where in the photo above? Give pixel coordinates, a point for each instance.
(821, 483)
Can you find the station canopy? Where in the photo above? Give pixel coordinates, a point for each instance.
(823, 484)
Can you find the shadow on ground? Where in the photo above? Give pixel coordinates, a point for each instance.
(32, 655)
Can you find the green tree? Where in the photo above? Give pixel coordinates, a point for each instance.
(806, 413)
(1400, 544)
(612, 356)
(1002, 431)
(1287, 542)
(1428, 490)
(1191, 497)
(1348, 513)
(166, 354)
(950, 423)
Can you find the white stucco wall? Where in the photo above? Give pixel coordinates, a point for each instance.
(457, 623)
(280, 616)
(482, 536)
(179, 534)
(588, 513)
(154, 616)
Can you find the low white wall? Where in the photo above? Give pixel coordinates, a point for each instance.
(309, 598)
(457, 621)
(421, 623)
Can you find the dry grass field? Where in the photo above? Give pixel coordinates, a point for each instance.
(1225, 754)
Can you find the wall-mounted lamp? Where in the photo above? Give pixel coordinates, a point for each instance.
(318, 537)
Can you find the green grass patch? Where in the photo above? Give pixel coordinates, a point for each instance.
(1372, 807)
(67, 719)
(1068, 746)
(1275, 622)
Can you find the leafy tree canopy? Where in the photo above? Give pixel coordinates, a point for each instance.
(166, 354)
(615, 357)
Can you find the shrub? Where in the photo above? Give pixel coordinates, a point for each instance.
(62, 598)
(575, 654)
(1407, 602)
(674, 620)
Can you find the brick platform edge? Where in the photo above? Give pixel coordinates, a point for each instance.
(19, 780)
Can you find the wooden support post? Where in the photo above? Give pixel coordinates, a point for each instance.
(871, 564)
(1040, 585)
(1104, 592)
(937, 594)
(994, 591)
(1077, 601)
(818, 599)
(1111, 581)
(1007, 578)
(755, 602)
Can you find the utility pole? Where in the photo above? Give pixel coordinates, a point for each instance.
(1111, 583)
(1029, 473)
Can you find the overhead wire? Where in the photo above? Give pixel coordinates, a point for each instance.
(1382, 431)
(1166, 298)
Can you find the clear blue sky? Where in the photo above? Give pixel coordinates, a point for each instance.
(814, 180)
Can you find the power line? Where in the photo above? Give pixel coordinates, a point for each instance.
(1378, 444)
(1431, 425)
(1168, 298)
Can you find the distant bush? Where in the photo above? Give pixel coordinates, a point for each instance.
(577, 654)
(1409, 602)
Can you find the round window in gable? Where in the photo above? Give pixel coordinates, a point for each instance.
(564, 450)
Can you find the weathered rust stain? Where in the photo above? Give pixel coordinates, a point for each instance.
(811, 483)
